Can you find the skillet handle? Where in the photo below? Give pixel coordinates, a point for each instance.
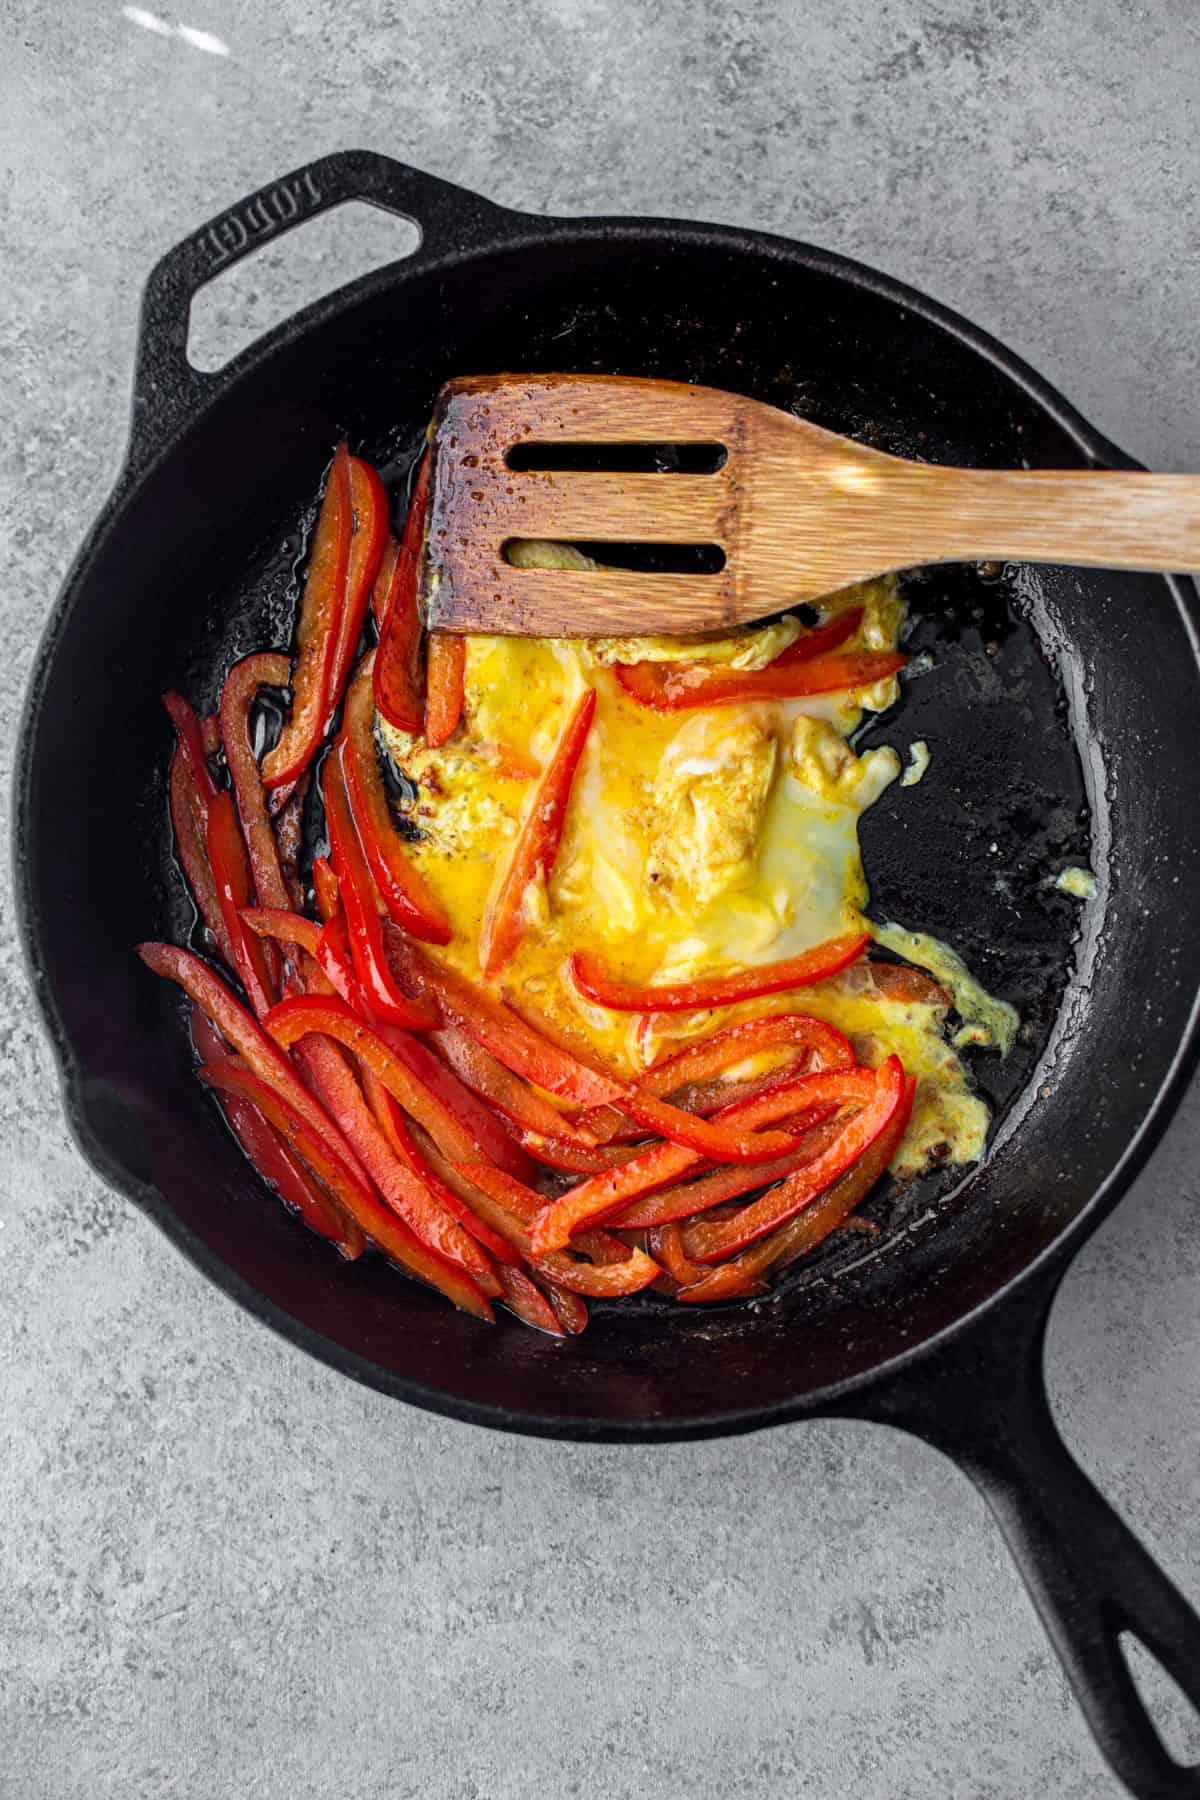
(982, 1400)
(167, 389)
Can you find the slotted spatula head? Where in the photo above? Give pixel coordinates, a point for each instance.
(789, 507)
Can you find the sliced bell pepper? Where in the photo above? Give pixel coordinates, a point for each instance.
(446, 667)
(317, 632)
(493, 1141)
(628, 1273)
(711, 1241)
(403, 1192)
(360, 900)
(283, 1171)
(709, 1138)
(243, 1033)
(189, 811)
(489, 1022)
(191, 735)
(398, 677)
(601, 1196)
(349, 1199)
(686, 1077)
(336, 963)
(409, 899)
(283, 926)
(256, 968)
(575, 1156)
(570, 1309)
(488, 1077)
(666, 1247)
(403, 1145)
(509, 762)
(821, 639)
(691, 1197)
(716, 990)
(325, 886)
(536, 847)
(813, 1225)
(671, 687)
(289, 836)
(296, 1018)
(237, 698)
(369, 536)
(524, 1298)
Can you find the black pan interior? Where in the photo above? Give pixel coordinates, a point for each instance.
(1056, 705)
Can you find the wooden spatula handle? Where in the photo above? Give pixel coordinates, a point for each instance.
(1106, 518)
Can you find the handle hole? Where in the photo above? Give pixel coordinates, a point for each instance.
(1175, 1717)
(269, 284)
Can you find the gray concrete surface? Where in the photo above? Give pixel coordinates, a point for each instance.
(228, 1572)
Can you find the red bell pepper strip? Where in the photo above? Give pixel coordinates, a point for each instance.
(810, 1227)
(348, 1198)
(716, 990)
(277, 1165)
(489, 1022)
(191, 735)
(523, 1297)
(821, 639)
(446, 666)
(829, 1048)
(666, 1247)
(227, 859)
(296, 1018)
(336, 963)
(361, 902)
(629, 1274)
(387, 1232)
(710, 1139)
(691, 1197)
(711, 1241)
(493, 1141)
(409, 899)
(317, 633)
(576, 1157)
(283, 926)
(570, 1309)
(244, 1035)
(289, 836)
(404, 1146)
(403, 1192)
(325, 886)
(671, 687)
(237, 698)
(685, 1077)
(188, 814)
(487, 1076)
(369, 536)
(536, 847)
(399, 678)
(602, 1196)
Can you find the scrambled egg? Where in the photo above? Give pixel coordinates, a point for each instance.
(696, 842)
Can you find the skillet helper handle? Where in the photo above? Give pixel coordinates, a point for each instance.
(167, 389)
(982, 1400)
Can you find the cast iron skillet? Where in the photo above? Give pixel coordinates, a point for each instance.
(1059, 708)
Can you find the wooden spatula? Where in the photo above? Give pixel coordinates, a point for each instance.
(797, 511)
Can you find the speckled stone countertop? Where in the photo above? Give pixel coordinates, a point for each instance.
(229, 1572)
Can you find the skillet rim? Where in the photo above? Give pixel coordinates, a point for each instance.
(504, 230)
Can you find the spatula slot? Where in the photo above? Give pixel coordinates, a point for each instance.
(647, 559)
(620, 458)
